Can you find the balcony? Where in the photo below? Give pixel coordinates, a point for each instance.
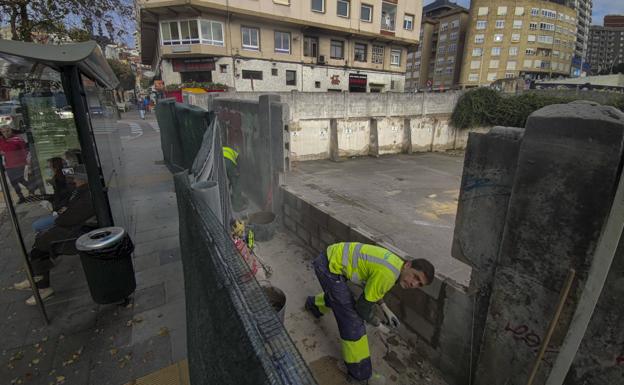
(388, 17)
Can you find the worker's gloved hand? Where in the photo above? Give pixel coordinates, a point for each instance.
(393, 320)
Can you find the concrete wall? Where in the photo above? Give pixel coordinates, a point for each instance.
(401, 122)
(438, 317)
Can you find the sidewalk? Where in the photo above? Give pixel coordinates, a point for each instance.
(87, 343)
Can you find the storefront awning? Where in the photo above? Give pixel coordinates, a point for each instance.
(87, 56)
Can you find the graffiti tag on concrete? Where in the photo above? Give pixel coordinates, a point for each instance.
(531, 339)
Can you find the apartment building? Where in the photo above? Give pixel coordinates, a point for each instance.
(531, 39)
(281, 45)
(583, 23)
(436, 62)
(616, 21)
(606, 47)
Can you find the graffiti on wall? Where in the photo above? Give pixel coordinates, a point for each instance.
(522, 333)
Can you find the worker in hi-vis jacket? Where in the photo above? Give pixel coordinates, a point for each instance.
(377, 270)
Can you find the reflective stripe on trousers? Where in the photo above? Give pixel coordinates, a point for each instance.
(352, 330)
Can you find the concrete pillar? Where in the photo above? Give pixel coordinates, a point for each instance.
(407, 136)
(488, 175)
(568, 168)
(334, 154)
(373, 144)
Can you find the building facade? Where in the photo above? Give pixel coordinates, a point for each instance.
(583, 24)
(530, 39)
(616, 21)
(436, 62)
(606, 48)
(281, 45)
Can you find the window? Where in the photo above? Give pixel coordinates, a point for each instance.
(547, 27)
(519, 11)
(454, 24)
(450, 60)
(534, 11)
(282, 42)
(366, 13)
(473, 77)
(529, 52)
(496, 51)
(343, 8)
(211, 32)
(441, 50)
(310, 46)
(537, 63)
(169, 33)
(494, 63)
(515, 37)
(453, 36)
(502, 11)
(257, 75)
(500, 24)
(533, 26)
(483, 11)
(549, 14)
(517, 24)
(336, 50)
(527, 63)
(477, 51)
(377, 54)
(498, 37)
(531, 38)
(479, 38)
(481, 24)
(452, 48)
(318, 5)
(442, 38)
(273, 71)
(444, 27)
(513, 51)
(359, 52)
(251, 38)
(511, 65)
(408, 22)
(291, 78)
(317, 84)
(510, 75)
(189, 32)
(545, 39)
(491, 76)
(395, 57)
(223, 68)
(475, 64)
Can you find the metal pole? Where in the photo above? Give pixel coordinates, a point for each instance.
(20, 241)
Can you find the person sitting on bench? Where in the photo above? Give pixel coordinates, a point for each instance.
(67, 226)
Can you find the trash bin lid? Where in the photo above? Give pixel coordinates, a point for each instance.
(100, 239)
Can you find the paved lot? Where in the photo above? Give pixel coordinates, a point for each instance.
(409, 201)
(88, 343)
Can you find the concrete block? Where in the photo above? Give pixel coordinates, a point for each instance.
(418, 324)
(303, 233)
(327, 237)
(316, 244)
(319, 216)
(290, 224)
(358, 235)
(338, 229)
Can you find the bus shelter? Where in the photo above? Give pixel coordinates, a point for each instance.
(58, 144)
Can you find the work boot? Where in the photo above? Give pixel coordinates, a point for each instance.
(44, 293)
(311, 307)
(25, 284)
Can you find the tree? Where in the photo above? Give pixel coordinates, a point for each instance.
(124, 73)
(61, 17)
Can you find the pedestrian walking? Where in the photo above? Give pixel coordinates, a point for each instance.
(15, 151)
(141, 107)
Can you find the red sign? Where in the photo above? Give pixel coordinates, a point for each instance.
(193, 64)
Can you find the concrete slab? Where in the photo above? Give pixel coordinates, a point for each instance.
(318, 341)
(408, 201)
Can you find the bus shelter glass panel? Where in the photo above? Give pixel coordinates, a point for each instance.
(104, 115)
(45, 169)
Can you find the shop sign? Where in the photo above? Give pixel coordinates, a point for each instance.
(193, 64)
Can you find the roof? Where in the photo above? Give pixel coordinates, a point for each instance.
(87, 56)
(440, 5)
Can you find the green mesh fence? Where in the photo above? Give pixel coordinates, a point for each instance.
(234, 335)
(169, 137)
(192, 124)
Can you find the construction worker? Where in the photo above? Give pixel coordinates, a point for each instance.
(377, 270)
(231, 168)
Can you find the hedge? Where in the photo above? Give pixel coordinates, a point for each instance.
(487, 107)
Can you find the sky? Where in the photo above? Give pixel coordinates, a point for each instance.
(600, 8)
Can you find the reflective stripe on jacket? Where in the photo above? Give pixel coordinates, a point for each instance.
(230, 153)
(375, 266)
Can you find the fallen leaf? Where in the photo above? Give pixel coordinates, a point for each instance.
(35, 361)
(60, 379)
(164, 331)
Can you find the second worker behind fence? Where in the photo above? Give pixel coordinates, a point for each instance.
(231, 167)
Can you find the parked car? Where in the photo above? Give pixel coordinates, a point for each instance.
(11, 113)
